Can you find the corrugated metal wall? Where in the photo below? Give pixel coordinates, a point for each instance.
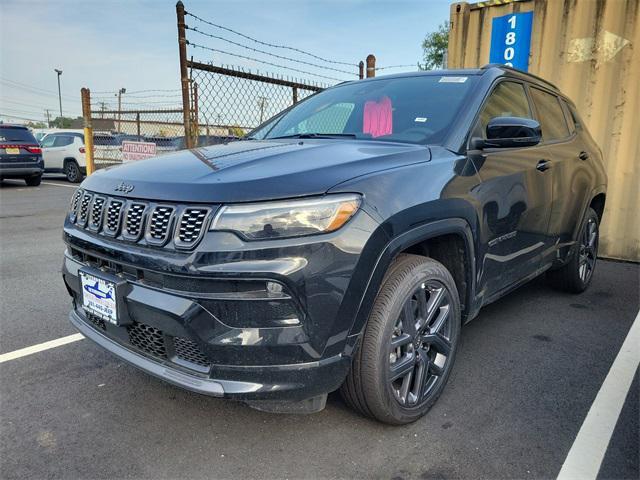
(591, 50)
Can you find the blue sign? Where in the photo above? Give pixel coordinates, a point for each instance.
(511, 40)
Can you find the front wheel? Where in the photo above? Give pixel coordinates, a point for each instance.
(575, 276)
(409, 344)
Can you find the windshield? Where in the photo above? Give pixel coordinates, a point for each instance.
(417, 109)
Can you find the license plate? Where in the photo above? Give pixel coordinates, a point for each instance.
(12, 151)
(99, 297)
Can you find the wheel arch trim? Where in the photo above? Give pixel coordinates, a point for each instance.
(456, 226)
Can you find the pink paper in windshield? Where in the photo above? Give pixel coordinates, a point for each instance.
(378, 117)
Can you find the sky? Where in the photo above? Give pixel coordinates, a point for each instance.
(109, 45)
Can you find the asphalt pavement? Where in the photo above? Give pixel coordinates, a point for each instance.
(527, 372)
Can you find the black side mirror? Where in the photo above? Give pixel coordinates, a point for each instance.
(510, 132)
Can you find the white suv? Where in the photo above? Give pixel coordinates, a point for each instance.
(63, 152)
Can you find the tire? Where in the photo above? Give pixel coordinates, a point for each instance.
(72, 171)
(422, 290)
(576, 275)
(33, 181)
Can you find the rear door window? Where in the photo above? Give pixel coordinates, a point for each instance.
(63, 141)
(550, 115)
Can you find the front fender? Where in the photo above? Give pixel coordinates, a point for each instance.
(413, 236)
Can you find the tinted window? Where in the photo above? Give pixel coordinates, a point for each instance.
(508, 99)
(48, 141)
(62, 141)
(12, 134)
(417, 109)
(550, 116)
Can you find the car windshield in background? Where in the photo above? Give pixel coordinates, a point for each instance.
(16, 134)
(416, 109)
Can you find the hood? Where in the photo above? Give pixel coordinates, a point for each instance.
(248, 171)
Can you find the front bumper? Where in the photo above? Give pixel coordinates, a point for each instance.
(200, 319)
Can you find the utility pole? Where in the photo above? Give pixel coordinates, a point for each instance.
(48, 117)
(262, 103)
(59, 72)
(120, 92)
(103, 107)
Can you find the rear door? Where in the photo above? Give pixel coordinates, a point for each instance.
(570, 169)
(514, 197)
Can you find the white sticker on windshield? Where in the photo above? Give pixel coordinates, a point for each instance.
(449, 79)
(420, 119)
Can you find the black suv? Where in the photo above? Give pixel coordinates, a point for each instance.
(20, 154)
(343, 244)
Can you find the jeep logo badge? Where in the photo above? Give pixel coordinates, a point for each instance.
(124, 188)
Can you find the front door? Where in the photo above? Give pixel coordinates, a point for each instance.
(515, 196)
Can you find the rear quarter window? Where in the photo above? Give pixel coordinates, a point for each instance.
(550, 115)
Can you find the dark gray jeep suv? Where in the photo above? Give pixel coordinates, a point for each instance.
(343, 244)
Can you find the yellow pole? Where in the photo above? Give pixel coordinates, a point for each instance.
(88, 129)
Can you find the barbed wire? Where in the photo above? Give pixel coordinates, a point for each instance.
(266, 44)
(268, 53)
(195, 45)
(396, 66)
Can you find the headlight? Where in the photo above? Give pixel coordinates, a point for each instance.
(290, 218)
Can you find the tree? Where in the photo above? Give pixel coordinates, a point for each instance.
(434, 48)
(36, 125)
(65, 122)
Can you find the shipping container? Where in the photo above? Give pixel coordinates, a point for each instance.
(590, 49)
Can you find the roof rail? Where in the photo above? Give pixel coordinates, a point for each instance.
(507, 67)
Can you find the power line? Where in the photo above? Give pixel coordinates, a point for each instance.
(263, 61)
(270, 54)
(269, 44)
(4, 100)
(24, 86)
(139, 91)
(21, 118)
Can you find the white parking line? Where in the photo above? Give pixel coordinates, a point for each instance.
(23, 352)
(588, 449)
(59, 185)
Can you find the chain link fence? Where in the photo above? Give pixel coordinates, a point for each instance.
(235, 101)
(112, 128)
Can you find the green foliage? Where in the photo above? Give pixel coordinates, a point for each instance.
(237, 131)
(434, 48)
(65, 122)
(36, 125)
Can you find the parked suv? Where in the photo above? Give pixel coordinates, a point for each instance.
(343, 245)
(20, 154)
(64, 152)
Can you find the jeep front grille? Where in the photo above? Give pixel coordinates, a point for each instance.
(134, 220)
(114, 211)
(191, 226)
(75, 201)
(159, 224)
(155, 224)
(95, 219)
(83, 210)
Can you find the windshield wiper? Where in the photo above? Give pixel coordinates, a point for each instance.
(317, 135)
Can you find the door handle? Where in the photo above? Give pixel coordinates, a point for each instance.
(583, 155)
(543, 165)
